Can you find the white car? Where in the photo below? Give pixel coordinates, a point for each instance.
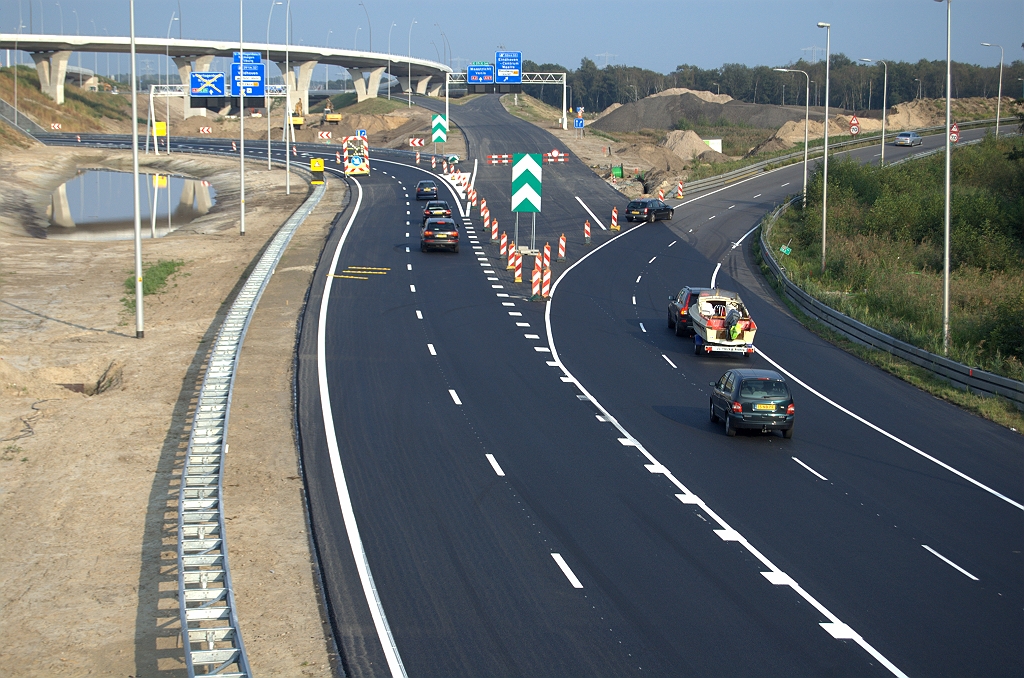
(908, 139)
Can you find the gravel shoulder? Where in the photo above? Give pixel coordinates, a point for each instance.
(88, 483)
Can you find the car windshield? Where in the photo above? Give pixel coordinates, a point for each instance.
(764, 389)
(426, 184)
(904, 134)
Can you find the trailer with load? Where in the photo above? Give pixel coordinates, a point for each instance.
(721, 323)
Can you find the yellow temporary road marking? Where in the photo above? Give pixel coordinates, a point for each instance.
(350, 277)
(366, 268)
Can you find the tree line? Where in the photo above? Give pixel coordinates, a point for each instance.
(854, 85)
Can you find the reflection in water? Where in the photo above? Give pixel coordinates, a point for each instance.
(97, 205)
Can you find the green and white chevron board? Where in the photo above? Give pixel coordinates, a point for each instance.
(526, 182)
(439, 129)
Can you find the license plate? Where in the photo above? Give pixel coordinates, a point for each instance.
(634, 212)
(761, 406)
(441, 235)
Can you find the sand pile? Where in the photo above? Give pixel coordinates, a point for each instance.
(710, 97)
(686, 144)
(658, 157)
(916, 114)
(608, 110)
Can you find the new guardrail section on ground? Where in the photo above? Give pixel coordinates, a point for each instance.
(209, 624)
(961, 376)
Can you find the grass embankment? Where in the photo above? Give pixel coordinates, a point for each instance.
(530, 109)
(82, 110)
(885, 251)
(154, 279)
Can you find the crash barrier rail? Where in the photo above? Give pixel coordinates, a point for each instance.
(959, 375)
(757, 167)
(24, 124)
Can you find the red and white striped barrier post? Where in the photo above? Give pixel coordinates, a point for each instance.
(661, 194)
(445, 166)
(234, 148)
(586, 232)
(494, 231)
(433, 162)
(547, 255)
(615, 219)
(545, 290)
(519, 268)
(535, 287)
(679, 190)
(295, 151)
(538, 262)
(487, 220)
(511, 256)
(503, 247)
(561, 248)
(417, 157)
(337, 157)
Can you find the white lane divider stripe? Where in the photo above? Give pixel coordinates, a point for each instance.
(712, 217)
(669, 361)
(408, 267)
(885, 433)
(672, 243)
(592, 215)
(566, 571)
(412, 288)
(758, 195)
(455, 396)
(494, 465)
(642, 328)
(652, 259)
(419, 315)
(634, 301)
(809, 468)
(430, 347)
(638, 278)
(949, 562)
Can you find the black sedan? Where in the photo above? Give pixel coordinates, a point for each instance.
(437, 209)
(426, 190)
(439, 234)
(753, 399)
(648, 209)
(678, 304)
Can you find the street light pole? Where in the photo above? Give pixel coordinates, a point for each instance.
(410, 61)
(369, 26)
(885, 91)
(287, 100)
(241, 119)
(139, 327)
(918, 81)
(327, 68)
(355, 40)
(267, 97)
(824, 185)
(999, 101)
(393, 24)
(949, 150)
(59, 9)
(167, 78)
(807, 118)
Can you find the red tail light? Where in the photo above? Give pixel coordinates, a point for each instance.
(736, 407)
(790, 409)
(428, 233)
(645, 210)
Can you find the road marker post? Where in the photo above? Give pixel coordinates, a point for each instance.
(615, 220)
(445, 166)
(547, 255)
(511, 256)
(234, 147)
(433, 162)
(538, 262)
(561, 248)
(545, 290)
(519, 268)
(417, 157)
(503, 247)
(337, 157)
(661, 194)
(494, 231)
(536, 296)
(586, 232)
(679, 190)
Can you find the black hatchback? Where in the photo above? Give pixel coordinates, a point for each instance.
(648, 209)
(426, 190)
(753, 399)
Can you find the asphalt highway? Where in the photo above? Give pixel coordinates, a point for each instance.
(506, 487)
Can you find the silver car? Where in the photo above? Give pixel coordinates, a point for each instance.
(908, 139)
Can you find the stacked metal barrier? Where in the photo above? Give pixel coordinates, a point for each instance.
(209, 622)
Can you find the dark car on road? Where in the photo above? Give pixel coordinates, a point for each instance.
(753, 399)
(908, 139)
(678, 305)
(426, 190)
(439, 233)
(648, 209)
(437, 209)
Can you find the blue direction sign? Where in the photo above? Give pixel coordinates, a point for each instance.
(247, 57)
(480, 74)
(577, 123)
(206, 84)
(508, 68)
(248, 79)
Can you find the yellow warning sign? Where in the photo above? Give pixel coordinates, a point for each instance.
(316, 164)
(159, 129)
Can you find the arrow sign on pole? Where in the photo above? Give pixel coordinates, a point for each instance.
(526, 182)
(439, 129)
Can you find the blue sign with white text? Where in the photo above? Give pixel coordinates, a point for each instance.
(248, 57)
(247, 79)
(206, 84)
(508, 68)
(577, 123)
(480, 74)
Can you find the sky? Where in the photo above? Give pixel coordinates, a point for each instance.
(654, 34)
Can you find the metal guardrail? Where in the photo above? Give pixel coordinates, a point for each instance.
(209, 623)
(25, 124)
(755, 168)
(960, 375)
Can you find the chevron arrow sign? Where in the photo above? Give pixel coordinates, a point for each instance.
(526, 182)
(439, 129)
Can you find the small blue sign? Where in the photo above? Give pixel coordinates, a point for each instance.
(361, 133)
(248, 79)
(480, 74)
(206, 84)
(508, 68)
(577, 123)
(247, 57)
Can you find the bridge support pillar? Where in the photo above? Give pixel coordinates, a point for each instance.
(52, 68)
(421, 84)
(302, 87)
(185, 68)
(434, 91)
(373, 82)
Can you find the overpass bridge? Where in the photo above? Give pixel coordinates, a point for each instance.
(52, 52)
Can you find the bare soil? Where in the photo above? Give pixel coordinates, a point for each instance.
(89, 480)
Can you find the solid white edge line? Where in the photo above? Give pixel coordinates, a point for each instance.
(451, 189)
(455, 396)
(669, 361)
(576, 584)
(691, 497)
(884, 432)
(949, 562)
(592, 215)
(714, 275)
(494, 465)
(373, 601)
(808, 468)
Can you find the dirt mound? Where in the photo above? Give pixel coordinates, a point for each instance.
(608, 110)
(686, 144)
(658, 157)
(703, 94)
(664, 112)
(711, 156)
